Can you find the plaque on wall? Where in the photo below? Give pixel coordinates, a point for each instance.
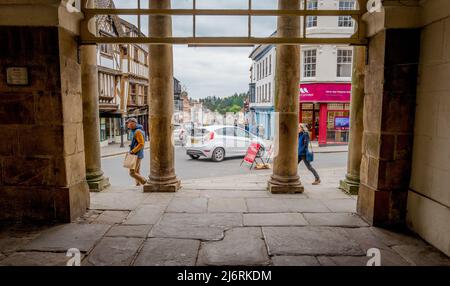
(17, 76)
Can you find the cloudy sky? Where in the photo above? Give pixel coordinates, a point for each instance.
(212, 71)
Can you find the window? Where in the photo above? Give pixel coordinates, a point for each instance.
(241, 133)
(346, 21)
(309, 63)
(265, 93)
(344, 63)
(270, 91)
(136, 54)
(106, 49)
(230, 131)
(270, 64)
(259, 71)
(311, 21)
(267, 69)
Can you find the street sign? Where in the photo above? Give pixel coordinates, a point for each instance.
(252, 151)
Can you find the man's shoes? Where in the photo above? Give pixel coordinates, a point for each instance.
(316, 182)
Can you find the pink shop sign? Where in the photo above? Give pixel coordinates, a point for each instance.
(325, 92)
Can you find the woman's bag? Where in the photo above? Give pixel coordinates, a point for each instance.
(130, 161)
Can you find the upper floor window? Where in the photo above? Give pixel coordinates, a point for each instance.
(344, 63)
(136, 54)
(346, 21)
(309, 63)
(106, 49)
(311, 21)
(270, 64)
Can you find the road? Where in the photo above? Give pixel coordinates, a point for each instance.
(187, 168)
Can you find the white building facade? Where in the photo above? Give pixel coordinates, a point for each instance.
(325, 81)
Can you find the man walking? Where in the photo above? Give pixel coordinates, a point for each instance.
(137, 148)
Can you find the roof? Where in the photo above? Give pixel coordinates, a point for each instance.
(261, 48)
(115, 18)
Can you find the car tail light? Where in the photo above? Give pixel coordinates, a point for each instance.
(211, 136)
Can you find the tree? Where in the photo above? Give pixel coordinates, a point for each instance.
(232, 103)
(235, 108)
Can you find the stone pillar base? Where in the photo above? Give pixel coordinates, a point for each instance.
(97, 182)
(99, 185)
(161, 187)
(349, 186)
(290, 187)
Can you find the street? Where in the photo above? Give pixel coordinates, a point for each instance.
(187, 168)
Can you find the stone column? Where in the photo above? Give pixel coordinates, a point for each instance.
(351, 182)
(285, 177)
(162, 163)
(91, 118)
(389, 113)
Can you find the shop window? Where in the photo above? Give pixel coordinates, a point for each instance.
(103, 129)
(338, 126)
(344, 63)
(309, 63)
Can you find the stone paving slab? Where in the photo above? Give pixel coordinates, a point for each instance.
(162, 200)
(240, 246)
(366, 238)
(146, 214)
(117, 201)
(279, 205)
(332, 195)
(343, 260)
(187, 232)
(36, 259)
(310, 241)
(207, 226)
(422, 255)
(227, 205)
(392, 238)
(234, 194)
(274, 219)
(295, 261)
(187, 193)
(335, 219)
(112, 217)
(129, 231)
(62, 238)
(341, 205)
(188, 205)
(168, 252)
(114, 251)
(203, 220)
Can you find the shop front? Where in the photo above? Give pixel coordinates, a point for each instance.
(325, 109)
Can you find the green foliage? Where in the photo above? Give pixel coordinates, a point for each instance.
(232, 103)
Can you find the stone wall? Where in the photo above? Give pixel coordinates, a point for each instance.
(429, 196)
(42, 152)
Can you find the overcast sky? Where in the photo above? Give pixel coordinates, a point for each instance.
(212, 71)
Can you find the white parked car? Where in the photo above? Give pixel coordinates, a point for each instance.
(219, 142)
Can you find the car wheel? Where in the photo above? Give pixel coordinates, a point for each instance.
(218, 155)
(194, 157)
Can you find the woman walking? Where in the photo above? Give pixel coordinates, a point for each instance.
(303, 143)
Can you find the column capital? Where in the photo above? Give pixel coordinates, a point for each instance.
(393, 16)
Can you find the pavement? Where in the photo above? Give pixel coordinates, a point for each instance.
(229, 220)
(114, 149)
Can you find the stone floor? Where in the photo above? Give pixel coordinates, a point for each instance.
(221, 221)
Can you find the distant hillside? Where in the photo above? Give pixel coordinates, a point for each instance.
(223, 105)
